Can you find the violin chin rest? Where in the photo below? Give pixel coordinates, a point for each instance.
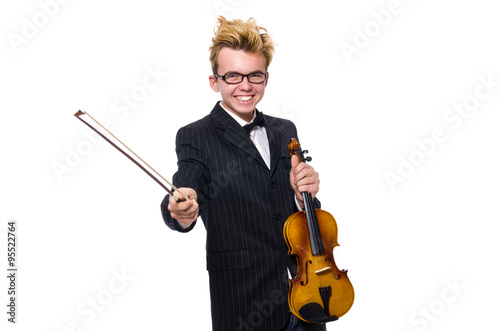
(313, 312)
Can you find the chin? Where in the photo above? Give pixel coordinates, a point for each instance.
(243, 108)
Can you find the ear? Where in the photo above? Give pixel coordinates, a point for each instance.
(267, 78)
(213, 83)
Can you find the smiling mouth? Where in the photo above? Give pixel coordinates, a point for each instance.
(245, 98)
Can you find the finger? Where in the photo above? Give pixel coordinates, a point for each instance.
(192, 208)
(182, 194)
(303, 171)
(191, 214)
(184, 191)
(295, 162)
(297, 173)
(308, 178)
(179, 207)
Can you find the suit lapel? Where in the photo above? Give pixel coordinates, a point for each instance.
(274, 137)
(235, 134)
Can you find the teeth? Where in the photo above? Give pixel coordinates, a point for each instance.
(244, 98)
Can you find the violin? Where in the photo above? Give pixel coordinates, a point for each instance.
(319, 292)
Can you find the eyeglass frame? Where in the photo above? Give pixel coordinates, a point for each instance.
(223, 77)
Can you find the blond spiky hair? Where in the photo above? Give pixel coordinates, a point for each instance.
(239, 35)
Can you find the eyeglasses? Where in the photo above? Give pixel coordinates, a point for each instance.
(236, 78)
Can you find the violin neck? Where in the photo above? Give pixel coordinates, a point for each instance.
(315, 238)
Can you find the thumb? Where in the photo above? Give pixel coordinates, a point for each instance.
(295, 162)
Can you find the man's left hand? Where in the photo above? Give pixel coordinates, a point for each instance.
(303, 178)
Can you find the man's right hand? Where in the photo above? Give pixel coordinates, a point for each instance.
(185, 212)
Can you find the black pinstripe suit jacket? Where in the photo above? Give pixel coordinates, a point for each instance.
(243, 205)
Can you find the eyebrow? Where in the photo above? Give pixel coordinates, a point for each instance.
(239, 73)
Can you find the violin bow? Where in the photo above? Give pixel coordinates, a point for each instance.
(78, 115)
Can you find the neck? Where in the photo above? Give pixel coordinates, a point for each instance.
(242, 119)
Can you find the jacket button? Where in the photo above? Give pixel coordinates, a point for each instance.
(277, 217)
(273, 185)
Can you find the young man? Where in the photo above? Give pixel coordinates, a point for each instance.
(243, 185)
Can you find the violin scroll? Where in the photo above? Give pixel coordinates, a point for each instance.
(294, 149)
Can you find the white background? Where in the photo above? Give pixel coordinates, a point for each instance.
(422, 252)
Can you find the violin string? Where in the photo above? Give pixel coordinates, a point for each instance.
(311, 214)
(137, 156)
(315, 225)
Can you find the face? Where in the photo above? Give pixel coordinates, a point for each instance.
(240, 99)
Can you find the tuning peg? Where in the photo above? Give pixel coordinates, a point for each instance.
(306, 159)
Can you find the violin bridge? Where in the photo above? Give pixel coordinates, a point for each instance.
(322, 271)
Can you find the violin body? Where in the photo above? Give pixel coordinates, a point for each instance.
(319, 292)
(316, 272)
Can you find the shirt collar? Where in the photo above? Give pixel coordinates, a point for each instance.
(239, 120)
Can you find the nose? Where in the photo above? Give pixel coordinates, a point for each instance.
(245, 84)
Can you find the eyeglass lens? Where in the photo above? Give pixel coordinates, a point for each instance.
(233, 78)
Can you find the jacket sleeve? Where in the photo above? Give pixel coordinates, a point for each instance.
(192, 172)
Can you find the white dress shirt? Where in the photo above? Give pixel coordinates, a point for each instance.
(258, 135)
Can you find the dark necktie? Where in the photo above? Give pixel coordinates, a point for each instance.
(258, 121)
